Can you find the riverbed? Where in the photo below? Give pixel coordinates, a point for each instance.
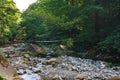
(60, 68)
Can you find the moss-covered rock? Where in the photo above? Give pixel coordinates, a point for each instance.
(36, 50)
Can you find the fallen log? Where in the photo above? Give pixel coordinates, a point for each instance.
(30, 41)
(16, 42)
(55, 41)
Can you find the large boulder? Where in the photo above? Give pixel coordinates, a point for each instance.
(7, 71)
(36, 50)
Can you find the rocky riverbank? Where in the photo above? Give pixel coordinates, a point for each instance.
(68, 69)
(60, 68)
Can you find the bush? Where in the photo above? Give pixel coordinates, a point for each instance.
(68, 42)
(111, 43)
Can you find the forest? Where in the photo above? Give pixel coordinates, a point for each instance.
(82, 26)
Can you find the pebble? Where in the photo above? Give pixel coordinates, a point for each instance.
(74, 68)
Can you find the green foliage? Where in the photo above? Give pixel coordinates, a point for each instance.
(53, 21)
(79, 24)
(111, 43)
(68, 42)
(1, 78)
(9, 21)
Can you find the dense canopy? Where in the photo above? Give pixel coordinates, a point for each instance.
(79, 24)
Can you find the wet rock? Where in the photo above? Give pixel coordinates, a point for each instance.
(81, 76)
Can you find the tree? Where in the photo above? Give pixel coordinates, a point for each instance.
(80, 24)
(9, 19)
